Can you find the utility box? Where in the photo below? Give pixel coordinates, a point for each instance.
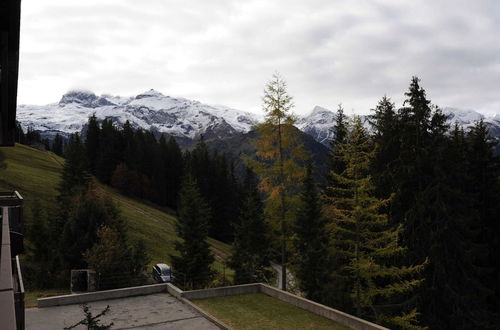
(83, 280)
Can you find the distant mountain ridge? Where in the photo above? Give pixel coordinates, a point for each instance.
(185, 119)
(150, 110)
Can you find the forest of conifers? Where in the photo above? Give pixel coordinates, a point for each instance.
(403, 229)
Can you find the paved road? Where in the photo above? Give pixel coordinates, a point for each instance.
(156, 311)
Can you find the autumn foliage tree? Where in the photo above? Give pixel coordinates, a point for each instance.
(279, 161)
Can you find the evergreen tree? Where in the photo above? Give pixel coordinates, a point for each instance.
(427, 170)
(39, 248)
(57, 145)
(107, 257)
(117, 262)
(109, 155)
(192, 265)
(199, 166)
(32, 136)
(484, 193)
(92, 143)
(89, 211)
(311, 244)
(74, 181)
(364, 243)
(385, 124)
(340, 131)
(173, 169)
(129, 152)
(46, 144)
(127, 181)
(217, 185)
(159, 178)
(451, 244)
(222, 198)
(74, 173)
(250, 258)
(279, 153)
(19, 136)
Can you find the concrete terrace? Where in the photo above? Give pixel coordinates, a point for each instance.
(151, 307)
(154, 311)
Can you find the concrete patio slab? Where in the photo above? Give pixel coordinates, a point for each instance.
(156, 311)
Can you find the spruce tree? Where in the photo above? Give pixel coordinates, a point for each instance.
(74, 173)
(159, 176)
(109, 155)
(39, 248)
(192, 265)
(385, 124)
(340, 131)
(173, 169)
(484, 193)
(453, 248)
(90, 210)
(19, 135)
(364, 244)
(311, 243)
(57, 145)
(92, 143)
(250, 258)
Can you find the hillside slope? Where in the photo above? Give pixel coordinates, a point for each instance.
(235, 147)
(36, 174)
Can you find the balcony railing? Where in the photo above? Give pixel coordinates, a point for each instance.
(11, 282)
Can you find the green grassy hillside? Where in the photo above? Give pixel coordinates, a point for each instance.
(36, 174)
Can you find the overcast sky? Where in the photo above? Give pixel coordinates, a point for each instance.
(223, 51)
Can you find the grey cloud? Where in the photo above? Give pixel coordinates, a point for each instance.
(223, 51)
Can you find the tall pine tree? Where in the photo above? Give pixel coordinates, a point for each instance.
(192, 265)
(364, 243)
(57, 145)
(250, 258)
(385, 124)
(92, 143)
(312, 253)
(340, 131)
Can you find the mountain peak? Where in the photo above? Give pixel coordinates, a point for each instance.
(317, 109)
(464, 116)
(82, 97)
(149, 93)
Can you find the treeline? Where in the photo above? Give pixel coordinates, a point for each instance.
(414, 200)
(140, 165)
(33, 138)
(405, 230)
(85, 230)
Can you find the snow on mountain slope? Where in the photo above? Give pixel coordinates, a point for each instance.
(321, 121)
(319, 124)
(150, 110)
(185, 118)
(465, 117)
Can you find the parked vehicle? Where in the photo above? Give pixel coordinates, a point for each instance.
(162, 273)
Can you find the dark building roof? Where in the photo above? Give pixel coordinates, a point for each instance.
(10, 17)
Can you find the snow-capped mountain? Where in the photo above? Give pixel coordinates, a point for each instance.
(321, 121)
(151, 110)
(319, 124)
(185, 119)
